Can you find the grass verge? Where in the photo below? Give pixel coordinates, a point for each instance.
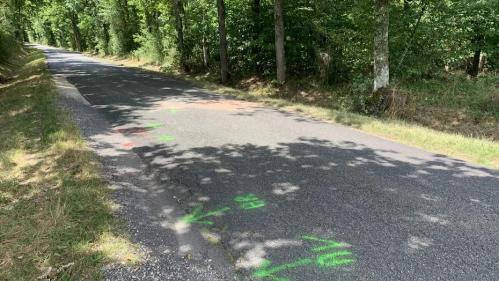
(56, 217)
(480, 151)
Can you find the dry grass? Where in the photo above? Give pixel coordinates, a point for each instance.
(56, 218)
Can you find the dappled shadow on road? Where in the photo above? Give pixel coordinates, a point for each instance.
(418, 210)
(411, 213)
(119, 91)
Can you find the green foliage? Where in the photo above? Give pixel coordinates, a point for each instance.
(149, 39)
(478, 96)
(8, 46)
(329, 41)
(123, 23)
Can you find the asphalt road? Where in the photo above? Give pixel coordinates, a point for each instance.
(282, 196)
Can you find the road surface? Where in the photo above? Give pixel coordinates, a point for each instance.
(275, 195)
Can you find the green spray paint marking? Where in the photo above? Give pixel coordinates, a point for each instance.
(249, 201)
(330, 243)
(327, 260)
(265, 272)
(246, 202)
(153, 125)
(173, 110)
(332, 260)
(198, 217)
(165, 138)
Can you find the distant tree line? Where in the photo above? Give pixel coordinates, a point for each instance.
(331, 41)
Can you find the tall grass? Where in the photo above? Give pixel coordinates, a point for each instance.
(56, 218)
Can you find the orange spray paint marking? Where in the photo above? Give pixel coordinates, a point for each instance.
(128, 145)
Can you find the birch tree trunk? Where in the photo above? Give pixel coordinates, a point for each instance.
(381, 49)
(205, 44)
(279, 40)
(222, 34)
(205, 52)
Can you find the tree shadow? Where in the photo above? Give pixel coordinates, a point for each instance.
(420, 214)
(124, 94)
(386, 209)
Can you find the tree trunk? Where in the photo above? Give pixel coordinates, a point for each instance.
(105, 31)
(257, 27)
(205, 52)
(128, 28)
(224, 59)
(152, 25)
(411, 37)
(477, 41)
(148, 20)
(204, 42)
(18, 20)
(76, 32)
(147, 14)
(381, 49)
(475, 64)
(52, 41)
(179, 26)
(279, 40)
